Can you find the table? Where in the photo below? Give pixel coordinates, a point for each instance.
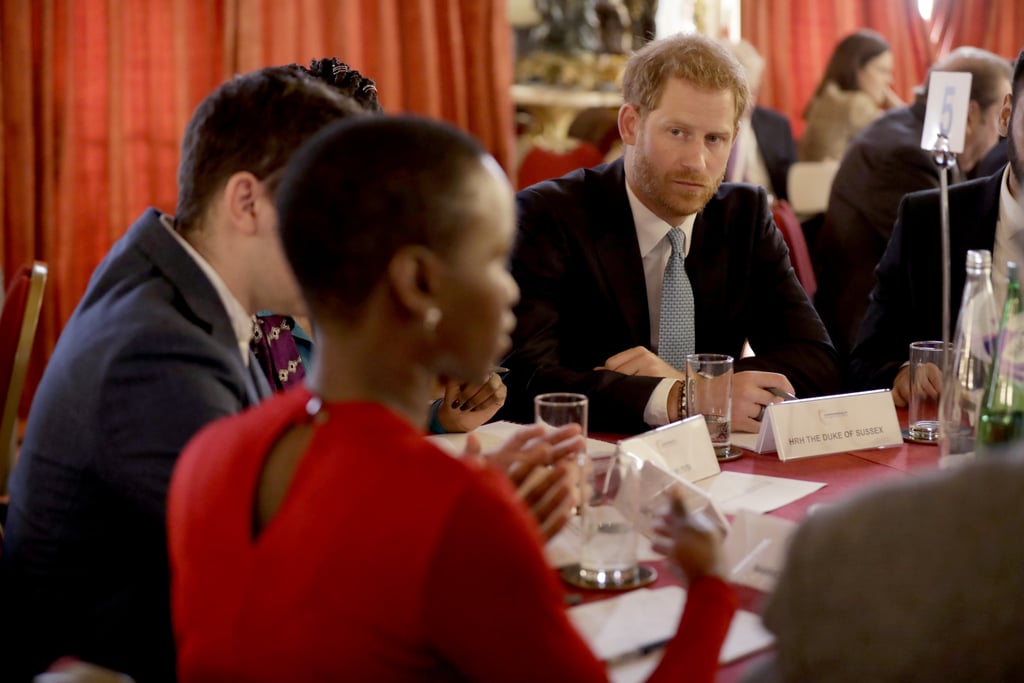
(844, 474)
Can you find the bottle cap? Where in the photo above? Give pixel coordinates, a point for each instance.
(1012, 270)
(978, 260)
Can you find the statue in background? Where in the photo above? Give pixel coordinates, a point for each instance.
(584, 44)
(604, 26)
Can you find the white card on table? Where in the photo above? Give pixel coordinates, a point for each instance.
(949, 95)
(829, 424)
(682, 448)
(755, 549)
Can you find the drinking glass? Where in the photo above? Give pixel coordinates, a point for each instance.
(926, 369)
(709, 392)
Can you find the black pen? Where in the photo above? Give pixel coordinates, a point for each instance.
(784, 395)
(639, 652)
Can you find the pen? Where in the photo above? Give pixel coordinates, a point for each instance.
(637, 653)
(784, 395)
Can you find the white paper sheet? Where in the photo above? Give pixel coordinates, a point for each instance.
(733, 491)
(625, 623)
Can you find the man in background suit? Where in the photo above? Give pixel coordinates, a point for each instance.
(764, 148)
(881, 165)
(986, 213)
(594, 249)
(157, 348)
(919, 581)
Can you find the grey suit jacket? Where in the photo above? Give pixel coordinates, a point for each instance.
(147, 359)
(921, 581)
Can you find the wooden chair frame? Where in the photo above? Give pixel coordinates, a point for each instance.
(26, 337)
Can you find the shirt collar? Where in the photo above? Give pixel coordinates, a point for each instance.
(650, 230)
(241, 321)
(1011, 211)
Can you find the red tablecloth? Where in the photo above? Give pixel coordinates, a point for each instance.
(844, 473)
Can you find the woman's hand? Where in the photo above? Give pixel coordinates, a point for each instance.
(542, 466)
(692, 542)
(466, 406)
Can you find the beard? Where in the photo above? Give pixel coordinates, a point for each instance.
(660, 193)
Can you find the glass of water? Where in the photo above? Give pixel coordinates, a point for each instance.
(709, 392)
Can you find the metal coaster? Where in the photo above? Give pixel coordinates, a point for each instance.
(914, 439)
(733, 453)
(571, 574)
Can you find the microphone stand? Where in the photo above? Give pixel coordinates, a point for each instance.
(945, 160)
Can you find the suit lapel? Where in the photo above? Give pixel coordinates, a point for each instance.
(616, 250)
(202, 303)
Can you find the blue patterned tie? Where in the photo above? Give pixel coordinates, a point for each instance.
(675, 332)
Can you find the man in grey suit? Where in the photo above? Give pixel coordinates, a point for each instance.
(157, 348)
(920, 581)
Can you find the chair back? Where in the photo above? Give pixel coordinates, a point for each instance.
(809, 184)
(542, 164)
(18, 323)
(799, 254)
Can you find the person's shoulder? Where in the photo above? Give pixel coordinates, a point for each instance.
(767, 115)
(575, 181)
(969, 190)
(731, 195)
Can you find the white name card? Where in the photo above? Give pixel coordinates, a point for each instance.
(949, 95)
(682, 448)
(755, 549)
(829, 424)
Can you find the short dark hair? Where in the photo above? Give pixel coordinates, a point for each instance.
(849, 56)
(363, 188)
(988, 72)
(253, 123)
(1018, 76)
(347, 81)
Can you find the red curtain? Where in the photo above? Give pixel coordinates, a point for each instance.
(796, 38)
(94, 97)
(996, 25)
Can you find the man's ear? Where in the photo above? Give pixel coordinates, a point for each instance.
(1004, 115)
(973, 118)
(629, 123)
(241, 193)
(414, 277)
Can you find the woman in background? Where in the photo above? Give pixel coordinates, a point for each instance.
(855, 90)
(319, 536)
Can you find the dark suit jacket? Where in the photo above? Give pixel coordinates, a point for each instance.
(775, 142)
(148, 358)
(917, 582)
(881, 165)
(584, 299)
(906, 304)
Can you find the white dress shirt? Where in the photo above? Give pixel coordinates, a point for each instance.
(1009, 242)
(749, 166)
(241, 321)
(655, 248)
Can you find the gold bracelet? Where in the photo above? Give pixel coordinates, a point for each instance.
(681, 406)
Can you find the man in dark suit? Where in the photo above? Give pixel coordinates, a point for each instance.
(776, 145)
(881, 165)
(905, 305)
(596, 246)
(157, 348)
